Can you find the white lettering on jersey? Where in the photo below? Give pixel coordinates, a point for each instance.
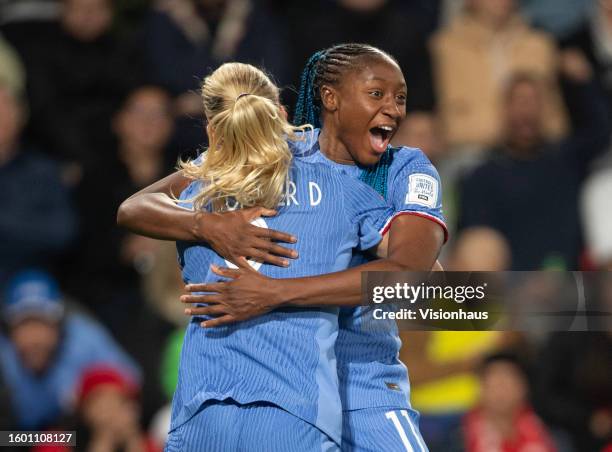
(290, 195)
(313, 187)
(259, 222)
(422, 190)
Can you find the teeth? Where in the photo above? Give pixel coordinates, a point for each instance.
(386, 128)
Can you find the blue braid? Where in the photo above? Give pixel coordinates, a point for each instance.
(306, 109)
(377, 176)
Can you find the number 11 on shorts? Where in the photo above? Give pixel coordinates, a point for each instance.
(392, 416)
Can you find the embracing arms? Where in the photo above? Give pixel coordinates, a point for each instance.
(154, 213)
(413, 244)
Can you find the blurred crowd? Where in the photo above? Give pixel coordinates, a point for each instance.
(510, 99)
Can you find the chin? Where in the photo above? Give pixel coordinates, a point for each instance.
(372, 158)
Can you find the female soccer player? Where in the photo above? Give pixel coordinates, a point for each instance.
(270, 381)
(356, 92)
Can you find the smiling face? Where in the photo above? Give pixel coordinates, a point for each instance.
(365, 108)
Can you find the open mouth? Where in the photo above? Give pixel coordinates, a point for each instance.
(380, 137)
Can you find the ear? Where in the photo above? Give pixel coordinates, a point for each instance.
(329, 98)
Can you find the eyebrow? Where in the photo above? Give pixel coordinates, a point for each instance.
(381, 79)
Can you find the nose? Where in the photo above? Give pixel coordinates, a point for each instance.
(393, 110)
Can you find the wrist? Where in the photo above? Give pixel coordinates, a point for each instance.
(198, 231)
(287, 293)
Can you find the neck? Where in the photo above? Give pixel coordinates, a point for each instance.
(143, 165)
(503, 423)
(522, 149)
(333, 148)
(491, 23)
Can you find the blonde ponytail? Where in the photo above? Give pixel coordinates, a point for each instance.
(248, 158)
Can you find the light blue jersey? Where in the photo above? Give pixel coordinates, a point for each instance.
(285, 357)
(370, 372)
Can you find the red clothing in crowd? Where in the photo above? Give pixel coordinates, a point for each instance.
(530, 434)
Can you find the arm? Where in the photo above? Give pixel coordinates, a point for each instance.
(154, 213)
(414, 244)
(589, 110)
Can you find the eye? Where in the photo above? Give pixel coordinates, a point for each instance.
(376, 93)
(401, 98)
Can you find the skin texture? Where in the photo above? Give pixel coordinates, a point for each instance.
(373, 95)
(35, 341)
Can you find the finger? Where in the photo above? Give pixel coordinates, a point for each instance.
(273, 234)
(267, 212)
(211, 287)
(261, 256)
(214, 310)
(229, 272)
(252, 213)
(221, 321)
(271, 247)
(210, 299)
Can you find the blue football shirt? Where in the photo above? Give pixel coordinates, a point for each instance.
(285, 357)
(369, 369)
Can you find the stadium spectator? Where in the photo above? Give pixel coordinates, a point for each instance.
(109, 258)
(537, 178)
(107, 415)
(37, 218)
(504, 420)
(46, 349)
(573, 389)
(186, 39)
(12, 73)
(78, 73)
(112, 260)
(443, 364)
(475, 56)
(390, 25)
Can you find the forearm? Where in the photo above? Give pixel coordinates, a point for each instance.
(153, 211)
(414, 245)
(333, 289)
(157, 216)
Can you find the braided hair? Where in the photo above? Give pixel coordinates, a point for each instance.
(326, 67)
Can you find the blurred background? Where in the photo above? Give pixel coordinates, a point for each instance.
(510, 99)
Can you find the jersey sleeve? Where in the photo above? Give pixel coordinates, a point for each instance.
(367, 210)
(192, 189)
(417, 190)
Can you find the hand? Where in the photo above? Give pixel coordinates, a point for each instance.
(247, 294)
(233, 237)
(575, 66)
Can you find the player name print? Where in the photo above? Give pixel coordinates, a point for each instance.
(314, 195)
(422, 190)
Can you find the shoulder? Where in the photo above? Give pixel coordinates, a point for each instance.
(304, 143)
(405, 158)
